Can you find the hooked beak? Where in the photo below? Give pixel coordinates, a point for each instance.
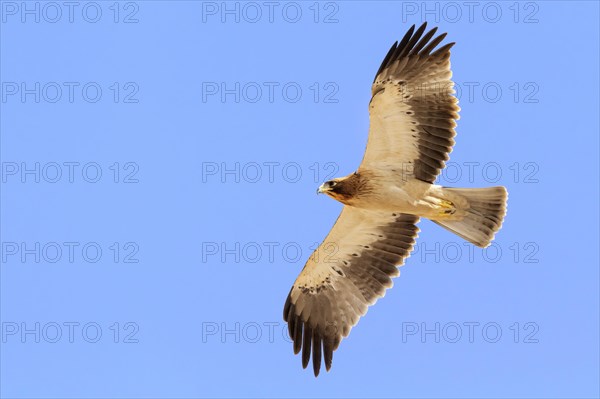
(321, 189)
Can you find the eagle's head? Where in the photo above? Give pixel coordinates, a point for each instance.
(342, 189)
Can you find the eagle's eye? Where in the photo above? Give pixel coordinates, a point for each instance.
(331, 183)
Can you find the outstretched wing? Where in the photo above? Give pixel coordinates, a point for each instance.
(413, 109)
(349, 271)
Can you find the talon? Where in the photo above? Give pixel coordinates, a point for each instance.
(446, 204)
(447, 208)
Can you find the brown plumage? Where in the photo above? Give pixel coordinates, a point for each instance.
(348, 189)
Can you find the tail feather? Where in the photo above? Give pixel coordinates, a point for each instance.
(483, 214)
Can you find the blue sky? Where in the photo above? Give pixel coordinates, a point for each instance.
(159, 168)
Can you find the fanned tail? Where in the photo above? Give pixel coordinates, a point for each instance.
(484, 214)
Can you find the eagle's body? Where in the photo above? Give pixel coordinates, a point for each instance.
(413, 114)
(377, 191)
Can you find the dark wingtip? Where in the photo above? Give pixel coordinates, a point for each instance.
(328, 343)
(288, 304)
(306, 345)
(424, 40)
(316, 352)
(444, 49)
(421, 29)
(433, 44)
(413, 43)
(385, 61)
(297, 338)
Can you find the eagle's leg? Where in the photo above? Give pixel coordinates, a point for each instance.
(446, 207)
(439, 207)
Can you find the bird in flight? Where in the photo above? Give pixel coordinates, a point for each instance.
(412, 119)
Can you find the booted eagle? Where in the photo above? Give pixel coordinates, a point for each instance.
(412, 114)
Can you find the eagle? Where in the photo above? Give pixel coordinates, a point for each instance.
(413, 113)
